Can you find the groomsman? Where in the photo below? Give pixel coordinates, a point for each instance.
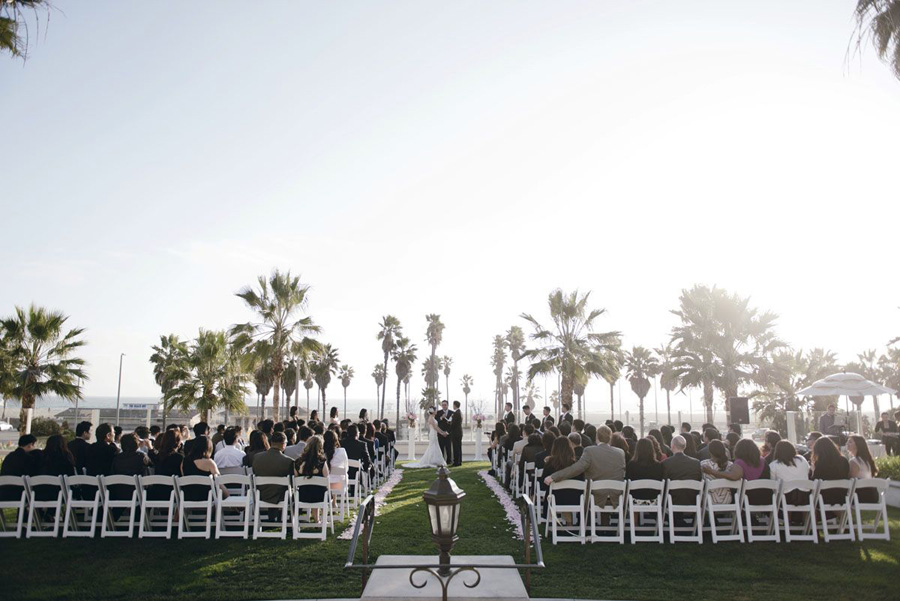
(443, 420)
(456, 433)
(548, 419)
(566, 416)
(509, 417)
(530, 418)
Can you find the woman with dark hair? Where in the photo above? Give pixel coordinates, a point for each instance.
(130, 462)
(363, 415)
(333, 416)
(57, 459)
(590, 435)
(664, 449)
(496, 436)
(732, 438)
(690, 445)
(660, 456)
(198, 463)
(312, 463)
(786, 464)
(547, 443)
(313, 417)
(862, 466)
(621, 442)
(829, 464)
(644, 466)
(748, 464)
(667, 433)
(562, 455)
(718, 460)
(768, 448)
(336, 458)
(698, 442)
(513, 435)
(259, 443)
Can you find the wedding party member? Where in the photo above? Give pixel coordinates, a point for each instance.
(598, 462)
(565, 416)
(889, 434)
(433, 456)
(314, 417)
(443, 423)
(547, 420)
(456, 434)
(99, 457)
(531, 418)
(78, 446)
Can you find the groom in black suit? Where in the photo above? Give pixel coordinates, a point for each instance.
(456, 434)
(443, 422)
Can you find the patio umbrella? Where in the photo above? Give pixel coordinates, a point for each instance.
(846, 384)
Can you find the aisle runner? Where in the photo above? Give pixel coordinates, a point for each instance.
(380, 495)
(512, 510)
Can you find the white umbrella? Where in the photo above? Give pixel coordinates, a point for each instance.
(848, 384)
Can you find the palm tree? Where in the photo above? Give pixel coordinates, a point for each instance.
(278, 303)
(168, 359)
(641, 365)
(580, 385)
(390, 330)
(345, 374)
(434, 333)
(881, 20)
(890, 371)
(871, 371)
(515, 340)
(498, 361)
(446, 362)
(41, 357)
(378, 374)
(308, 384)
(430, 370)
(263, 380)
(571, 348)
(404, 355)
(467, 382)
(722, 344)
(212, 376)
(406, 386)
(796, 370)
(7, 374)
(325, 366)
(12, 16)
(667, 378)
(289, 380)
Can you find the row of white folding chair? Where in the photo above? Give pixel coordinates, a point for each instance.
(742, 511)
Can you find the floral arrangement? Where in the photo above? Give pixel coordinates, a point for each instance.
(478, 416)
(411, 418)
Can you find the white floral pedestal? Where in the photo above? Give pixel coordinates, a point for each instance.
(479, 454)
(411, 444)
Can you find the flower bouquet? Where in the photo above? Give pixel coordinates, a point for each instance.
(411, 418)
(478, 416)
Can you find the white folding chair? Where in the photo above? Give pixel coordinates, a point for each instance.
(870, 531)
(842, 518)
(713, 510)
(158, 507)
(528, 478)
(340, 495)
(638, 508)
(233, 471)
(324, 508)
(44, 516)
(354, 471)
(283, 505)
(694, 532)
(599, 532)
(196, 516)
(82, 506)
(539, 494)
(762, 514)
(12, 488)
(792, 493)
(235, 509)
(128, 503)
(556, 511)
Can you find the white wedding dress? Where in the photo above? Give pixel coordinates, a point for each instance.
(433, 456)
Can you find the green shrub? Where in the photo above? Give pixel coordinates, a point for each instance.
(44, 426)
(889, 467)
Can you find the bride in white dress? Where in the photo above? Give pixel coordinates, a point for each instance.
(433, 456)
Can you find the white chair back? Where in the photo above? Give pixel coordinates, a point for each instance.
(638, 509)
(157, 514)
(878, 528)
(261, 508)
(677, 512)
(761, 517)
(82, 506)
(611, 532)
(115, 509)
(724, 510)
(14, 489)
(841, 511)
(233, 513)
(196, 516)
(44, 516)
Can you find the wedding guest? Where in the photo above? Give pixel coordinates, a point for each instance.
(238, 439)
(78, 446)
(667, 433)
(218, 436)
(663, 447)
(98, 460)
(259, 443)
(786, 464)
(547, 444)
(337, 460)
(363, 415)
(731, 439)
(561, 464)
(772, 439)
(312, 463)
(685, 428)
(717, 461)
(295, 450)
(828, 464)
(681, 466)
(198, 462)
(273, 463)
(575, 439)
(565, 428)
(527, 430)
(709, 434)
(589, 436)
(200, 429)
(117, 435)
(598, 462)
(862, 466)
(530, 451)
(620, 442)
(229, 454)
(56, 460)
(496, 436)
(657, 451)
(380, 436)
(131, 462)
(333, 416)
(24, 461)
(811, 439)
(690, 445)
(617, 426)
(314, 416)
(356, 450)
(644, 466)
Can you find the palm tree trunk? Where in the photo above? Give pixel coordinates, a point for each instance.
(324, 408)
(397, 422)
(668, 407)
(4, 410)
(275, 397)
(641, 411)
(345, 402)
(307, 404)
(447, 387)
(708, 401)
(612, 401)
(567, 387)
(27, 403)
(384, 389)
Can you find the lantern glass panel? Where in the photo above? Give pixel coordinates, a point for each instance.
(435, 523)
(455, 518)
(447, 519)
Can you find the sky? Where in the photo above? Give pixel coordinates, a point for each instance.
(462, 158)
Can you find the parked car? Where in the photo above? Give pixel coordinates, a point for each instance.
(4, 426)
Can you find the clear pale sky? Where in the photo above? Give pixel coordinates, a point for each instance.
(461, 158)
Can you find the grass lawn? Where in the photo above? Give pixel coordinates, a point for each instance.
(199, 570)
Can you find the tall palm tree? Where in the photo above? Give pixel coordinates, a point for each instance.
(169, 358)
(880, 19)
(571, 347)
(13, 14)
(515, 341)
(498, 362)
(406, 386)
(871, 371)
(796, 370)
(41, 356)
(389, 332)
(641, 365)
(667, 377)
(467, 382)
(404, 355)
(615, 362)
(446, 362)
(722, 344)
(430, 370)
(308, 384)
(279, 304)
(580, 385)
(212, 377)
(345, 374)
(325, 366)
(7, 374)
(289, 380)
(434, 333)
(378, 374)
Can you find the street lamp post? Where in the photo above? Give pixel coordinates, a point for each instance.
(119, 393)
(443, 499)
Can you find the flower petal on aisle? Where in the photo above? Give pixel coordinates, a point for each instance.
(380, 500)
(512, 510)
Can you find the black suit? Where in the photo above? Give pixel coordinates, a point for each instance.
(78, 447)
(509, 417)
(444, 441)
(533, 420)
(681, 467)
(99, 458)
(566, 418)
(19, 463)
(456, 435)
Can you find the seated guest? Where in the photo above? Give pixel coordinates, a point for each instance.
(718, 461)
(546, 444)
(629, 434)
(512, 436)
(526, 430)
(709, 434)
(267, 427)
(663, 447)
(888, 426)
(575, 439)
(337, 460)
(145, 444)
(681, 466)
(589, 436)
(618, 425)
(731, 440)
(314, 416)
(667, 433)
(657, 451)
(811, 439)
(117, 435)
(169, 462)
(530, 452)
(312, 463)
(293, 451)
(698, 443)
(561, 463)
(199, 463)
(218, 436)
(78, 446)
(748, 465)
(99, 457)
(273, 463)
(861, 466)
(829, 464)
(380, 436)
(685, 428)
(736, 428)
(565, 428)
(620, 442)
(56, 460)
(154, 432)
(200, 429)
(277, 427)
(24, 461)
(768, 448)
(259, 443)
(644, 466)
(598, 462)
(690, 445)
(229, 454)
(370, 442)
(786, 464)
(391, 436)
(356, 450)
(130, 462)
